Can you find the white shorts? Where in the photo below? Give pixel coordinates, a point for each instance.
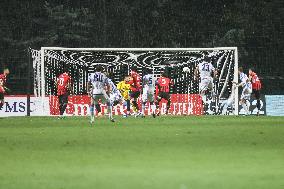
(115, 97)
(96, 91)
(205, 84)
(148, 95)
(229, 102)
(245, 96)
(246, 93)
(100, 96)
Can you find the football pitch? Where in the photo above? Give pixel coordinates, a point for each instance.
(167, 152)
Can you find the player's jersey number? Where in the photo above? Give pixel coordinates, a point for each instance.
(150, 80)
(61, 82)
(98, 78)
(205, 67)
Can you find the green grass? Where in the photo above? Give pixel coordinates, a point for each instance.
(166, 152)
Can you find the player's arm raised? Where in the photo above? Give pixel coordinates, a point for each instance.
(196, 73)
(215, 73)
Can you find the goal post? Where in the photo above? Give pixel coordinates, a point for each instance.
(236, 79)
(49, 62)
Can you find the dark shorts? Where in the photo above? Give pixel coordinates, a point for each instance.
(1, 96)
(63, 99)
(256, 93)
(164, 95)
(135, 94)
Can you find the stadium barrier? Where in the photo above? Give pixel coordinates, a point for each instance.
(79, 106)
(274, 105)
(17, 106)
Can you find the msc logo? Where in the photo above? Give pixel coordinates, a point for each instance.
(15, 107)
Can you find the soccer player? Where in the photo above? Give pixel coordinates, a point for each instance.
(148, 95)
(115, 97)
(3, 88)
(135, 88)
(163, 85)
(204, 70)
(229, 102)
(124, 88)
(246, 92)
(63, 84)
(256, 87)
(98, 87)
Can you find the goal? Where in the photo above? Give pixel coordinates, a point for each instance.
(49, 62)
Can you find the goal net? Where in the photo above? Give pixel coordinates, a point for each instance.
(49, 62)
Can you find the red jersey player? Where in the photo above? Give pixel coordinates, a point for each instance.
(63, 88)
(135, 88)
(256, 87)
(163, 91)
(3, 89)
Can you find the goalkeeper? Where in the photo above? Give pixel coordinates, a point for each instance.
(3, 88)
(124, 88)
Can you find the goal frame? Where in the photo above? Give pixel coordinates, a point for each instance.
(235, 49)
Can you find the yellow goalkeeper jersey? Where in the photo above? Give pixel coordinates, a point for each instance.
(124, 88)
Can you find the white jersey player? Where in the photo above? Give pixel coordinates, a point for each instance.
(205, 70)
(148, 95)
(97, 86)
(246, 84)
(115, 97)
(98, 83)
(114, 94)
(246, 92)
(229, 102)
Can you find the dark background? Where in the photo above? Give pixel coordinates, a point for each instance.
(255, 27)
